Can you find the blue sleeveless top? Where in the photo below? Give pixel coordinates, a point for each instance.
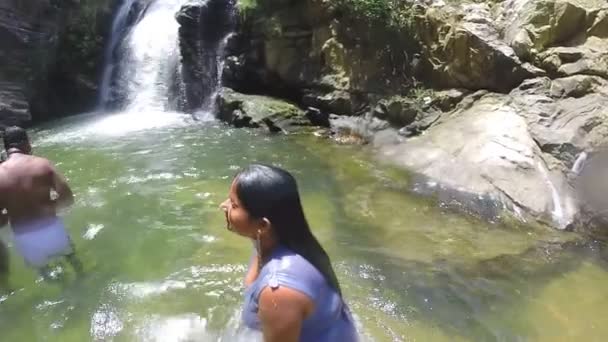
(331, 320)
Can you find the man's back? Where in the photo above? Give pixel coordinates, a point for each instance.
(25, 186)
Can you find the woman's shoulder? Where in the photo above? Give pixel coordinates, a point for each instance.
(289, 262)
(288, 268)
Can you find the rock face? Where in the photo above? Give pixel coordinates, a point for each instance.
(50, 55)
(468, 52)
(319, 55)
(566, 116)
(203, 29)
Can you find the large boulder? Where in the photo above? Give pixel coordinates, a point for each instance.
(587, 58)
(256, 111)
(564, 37)
(566, 116)
(533, 25)
(483, 157)
(464, 49)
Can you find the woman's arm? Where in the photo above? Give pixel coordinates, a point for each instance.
(282, 312)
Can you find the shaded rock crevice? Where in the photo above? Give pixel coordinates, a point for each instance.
(50, 57)
(204, 29)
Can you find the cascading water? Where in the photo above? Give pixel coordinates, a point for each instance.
(119, 25)
(148, 69)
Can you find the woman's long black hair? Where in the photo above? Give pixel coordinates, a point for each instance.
(272, 193)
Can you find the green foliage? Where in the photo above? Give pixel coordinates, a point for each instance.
(395, 13)
(246, 7)
(82, 44)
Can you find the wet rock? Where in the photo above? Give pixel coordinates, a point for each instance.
(203, 28)
(337, 101)
(356, 130)
(14, 108)
(254, 111)
(446, 100)
(317, 117)
(397, 110)
(486, 151)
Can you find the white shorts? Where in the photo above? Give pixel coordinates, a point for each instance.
(41, 241)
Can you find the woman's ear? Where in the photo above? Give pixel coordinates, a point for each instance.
(266, 225)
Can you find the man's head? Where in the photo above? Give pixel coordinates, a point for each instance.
(16, 138)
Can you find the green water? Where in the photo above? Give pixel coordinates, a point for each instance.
(162, 267)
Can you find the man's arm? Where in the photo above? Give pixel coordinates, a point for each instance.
(65, 197)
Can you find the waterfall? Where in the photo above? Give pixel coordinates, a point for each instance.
(119, 25)
(170, 58)
(558, 209)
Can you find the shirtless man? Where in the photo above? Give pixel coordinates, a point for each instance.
(31, 192)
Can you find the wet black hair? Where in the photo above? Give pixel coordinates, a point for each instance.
(15, 137)
(272, 193)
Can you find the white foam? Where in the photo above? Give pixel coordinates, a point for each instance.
(558, 210)
(105, 324)
(92, 231)
(579, 163)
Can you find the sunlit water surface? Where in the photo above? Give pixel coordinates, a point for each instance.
(161, 266)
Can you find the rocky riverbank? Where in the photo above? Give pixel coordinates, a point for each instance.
(496, 106)
(490, 103)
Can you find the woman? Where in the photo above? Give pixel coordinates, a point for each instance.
(292, 291)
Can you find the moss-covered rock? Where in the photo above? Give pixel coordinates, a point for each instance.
(255, 111)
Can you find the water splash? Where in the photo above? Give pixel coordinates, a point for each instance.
(579, 164)
(144, 69)
(151, 60)
(558, 210)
